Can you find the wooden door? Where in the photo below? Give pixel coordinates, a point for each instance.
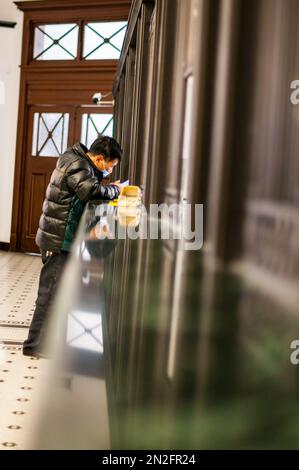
(51, 129)
(69, 53)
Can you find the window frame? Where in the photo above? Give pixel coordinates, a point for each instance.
(84, 24)
(79, 60)
(42, 122)
(35, 25)
(89, 113)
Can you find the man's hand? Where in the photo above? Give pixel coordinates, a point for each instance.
(105, 181)
(116, 183)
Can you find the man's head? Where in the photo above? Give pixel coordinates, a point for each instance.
(105, 153)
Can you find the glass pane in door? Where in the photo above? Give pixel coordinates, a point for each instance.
(50, 134)
(104, 40)
(55, 42)
(95, 124)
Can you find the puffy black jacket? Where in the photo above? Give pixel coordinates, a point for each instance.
(74, 181)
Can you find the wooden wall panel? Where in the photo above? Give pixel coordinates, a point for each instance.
(243, 148)
(37, 192)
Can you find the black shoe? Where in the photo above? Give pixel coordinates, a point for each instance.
(30, 352)
(34, 352)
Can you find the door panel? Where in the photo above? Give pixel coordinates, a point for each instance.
(36, 195)
(50, 131)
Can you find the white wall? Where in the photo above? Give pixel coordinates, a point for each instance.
(10, 58)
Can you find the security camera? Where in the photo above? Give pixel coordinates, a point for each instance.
(97, 98)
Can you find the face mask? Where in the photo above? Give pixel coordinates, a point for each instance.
(105, 172)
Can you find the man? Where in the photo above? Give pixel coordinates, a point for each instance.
(75, 180)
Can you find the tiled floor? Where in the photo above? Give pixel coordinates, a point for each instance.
(21, 377)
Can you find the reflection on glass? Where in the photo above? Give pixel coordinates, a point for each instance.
(95, 124)
(50, 134)
(84, 331)
(104, 40)
(55, 42)
(189, 83)
(129, 216)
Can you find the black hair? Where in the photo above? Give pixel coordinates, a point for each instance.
(107, 146)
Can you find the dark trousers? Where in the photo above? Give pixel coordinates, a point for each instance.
(49, 279)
